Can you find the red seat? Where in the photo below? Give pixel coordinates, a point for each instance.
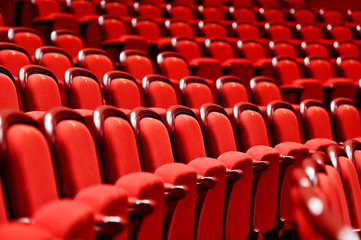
(82, 89)
(231, 90)
(242, 14)
(272, 15)
(278, 31)
(68, 40)
(28, 38)
(147, 28)
(147, 10)
(8, 91)
(332, 16)
(340, 32)
(350, 68)
(354, 15)
(179, 28)
(347, 49)
(211, 12)
(115, 8)
(81, 9)
(315, 49)
(173, 65)
(180, 11)
(97, 61)
(303, 15)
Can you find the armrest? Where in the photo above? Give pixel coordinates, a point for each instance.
(234, 175)
(260, 166)
(109, 225)
(287, 160)
(206, 182)
(293, 91)
(175, 191)
(140, 207)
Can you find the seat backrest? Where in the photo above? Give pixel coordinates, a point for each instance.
(211, 29)
(354, 15)
(187, 47)
(173, 65)
(55, 59)
(242, 14)
(283, 123)
(246, 31)
(39, 88)
(179, 28)
(8, 90)
(147, 28)
(154, 144)
(278, 31)
(186, 134)
(332, 16)
(340, 32)
(81, 8)
(121, 90)
(252, 49)
(13, 57)
(272, 15)
(220, 49)
(112, 27)
(28, 38)
(195, 92)
(315, 49)
(97, 61)
(211, 12)
(250, 126)
(346, 120)
(320, 68)
(116, 142)
(350, 68)
(316, 121)
(137, 63)
(180, 11)
(147, 10)
(68, 40)
(231, 90)
(283, 49)
(265, 90)
(287, 70)
(218, 131)
(82, 89)
(309, 32)
(46, 7)
(303, 15)
(27, 172)
(159, 91)
(73, 150)
(115, 8)
(347, 49)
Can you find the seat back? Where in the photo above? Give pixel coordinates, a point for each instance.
(272, 15)
(187, 47)
(218, 130)
(147, 10)
(287, 70)
(347, 49)
(315, 49)
(173, 65)
(303, 15)
(82, 89)
(283, 49)
(278, 31)
(73, 150)
(179, 28)
(346, 120)
(159, 91)
(116, 142)
(332, 16)
(68, 40)
(121, 90)
(96, 61)
(309, 32)
(350, 68)
(39, 88)
(265, 90)
(180, 11)
(320, 68)
(316, 122)
(252, 49)
(147, 28)
(242, 14)
(220, 49)
(211, 29)
(8, 90)
(283, 123)
(231, 90)
(195, 92)
(27, 172)
(246, 31)
(115, 8)
(28, 38)
(340, 32)
(13, 57)
(250, 126)
(81, 8)
(137, 63)
(211, 12)
(112, 27)
(154, 144)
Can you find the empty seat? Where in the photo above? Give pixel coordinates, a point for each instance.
(13, 57)
(179, 28)
(81, 9)
(284, 49)
(211, 12)
(246, 30)
(82, 89)
(122, 91)
(315, 49)
(303, 15)
(350, 68)
(68, 40)
(345, 120)
(8, 94)
(147, 28)
(278, 31)
(115, 8)
(332, 16)
(354, 15)
(310, 32)
(137, 63)
(347, 49)
(272, 15)
(112, 27)
(147, 10)
(173, 65)
(340, 32)
(179, 11)
(242, 14)
(97, 61)
(39, 88)
(28, 38)
(231, 90)
(212, 29)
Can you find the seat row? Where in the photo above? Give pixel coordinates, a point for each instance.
(71, 143)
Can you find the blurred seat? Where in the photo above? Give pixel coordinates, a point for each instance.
(68, 40)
